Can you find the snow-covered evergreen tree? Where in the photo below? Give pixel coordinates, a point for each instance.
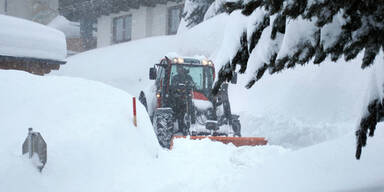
(194, 11)
(216, 8)
(278, 34)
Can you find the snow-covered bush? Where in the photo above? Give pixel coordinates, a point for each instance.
(194, 11)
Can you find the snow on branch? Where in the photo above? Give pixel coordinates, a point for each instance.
(281, 34)
(374, 112)
(194, 11)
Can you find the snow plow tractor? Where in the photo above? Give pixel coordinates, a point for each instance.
(185, 107)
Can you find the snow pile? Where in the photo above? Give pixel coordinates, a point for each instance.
(292, 133)
(92, 143)
(69, 28)
(22, 38)
(209, 166)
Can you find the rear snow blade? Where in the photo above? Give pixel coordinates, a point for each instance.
(237, 141)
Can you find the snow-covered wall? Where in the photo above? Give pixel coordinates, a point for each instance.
(23, 38)
(146, 22)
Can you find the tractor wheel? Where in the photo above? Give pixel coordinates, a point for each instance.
(163, 125)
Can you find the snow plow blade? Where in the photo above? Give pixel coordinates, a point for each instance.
(237, 141)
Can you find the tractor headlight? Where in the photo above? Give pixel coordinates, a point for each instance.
(178, 60)
(207, 62)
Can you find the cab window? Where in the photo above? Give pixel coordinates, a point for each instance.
(201, 76)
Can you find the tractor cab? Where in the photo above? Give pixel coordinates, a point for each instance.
(177, 75)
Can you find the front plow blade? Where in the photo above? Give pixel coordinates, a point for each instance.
(237, 141)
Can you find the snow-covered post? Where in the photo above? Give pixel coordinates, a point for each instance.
(36, 148)
(30, 148)
(134, 112)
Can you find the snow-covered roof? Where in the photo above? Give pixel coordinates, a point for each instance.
(69, 28)
(76, 9)
(23, 38)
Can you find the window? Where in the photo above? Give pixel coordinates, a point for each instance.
(174, 17)
(122, 29)
(201, 76)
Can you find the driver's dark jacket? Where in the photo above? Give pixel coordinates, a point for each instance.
(179, 92)
(182, 79)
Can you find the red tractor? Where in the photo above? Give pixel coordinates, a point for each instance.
(185, 105)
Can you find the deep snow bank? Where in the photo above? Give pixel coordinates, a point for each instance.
(92, 144)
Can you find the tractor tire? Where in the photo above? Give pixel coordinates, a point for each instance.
(163, 125)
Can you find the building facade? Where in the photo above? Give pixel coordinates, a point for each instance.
(162, 19)
(40, 11)
(117, 21)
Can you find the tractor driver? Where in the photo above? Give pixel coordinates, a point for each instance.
(182, 77)
(182, 85)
